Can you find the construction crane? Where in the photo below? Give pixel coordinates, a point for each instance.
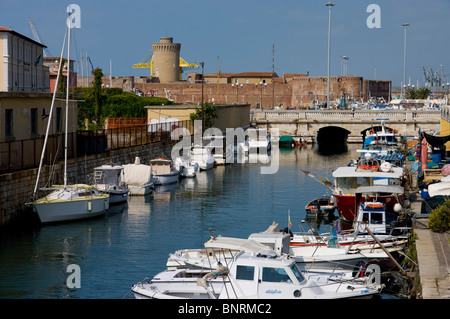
(147, 63)
(37, 38)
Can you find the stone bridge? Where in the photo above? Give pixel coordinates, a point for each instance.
(309, 123)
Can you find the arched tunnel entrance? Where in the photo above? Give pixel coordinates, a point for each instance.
(332, 135)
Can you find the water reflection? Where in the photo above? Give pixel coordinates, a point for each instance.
(134, 240)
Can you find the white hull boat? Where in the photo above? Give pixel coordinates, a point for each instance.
(202, 157)
(188, 168)
(71, 203)
(139, 178)
(66, 202)
(252, 276)
(164, 171)
(109, 179)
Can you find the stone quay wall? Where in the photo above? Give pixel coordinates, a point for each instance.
(16, 188)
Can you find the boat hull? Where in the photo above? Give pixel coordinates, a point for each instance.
(167, 178)
(140, 190)
(346, 205)
(118, 196)
(53, 211)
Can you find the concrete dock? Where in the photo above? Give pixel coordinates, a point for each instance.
(433, 254)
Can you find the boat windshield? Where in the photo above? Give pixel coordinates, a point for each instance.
(348, 183)
(297, 273)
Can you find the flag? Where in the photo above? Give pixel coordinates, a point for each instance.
(289, 215)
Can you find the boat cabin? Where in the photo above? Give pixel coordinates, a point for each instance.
(161, 166)
(349, 178)
(264, 277)
(108, 174)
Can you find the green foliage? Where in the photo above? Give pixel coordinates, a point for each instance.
(439, 220)
(210, 114)
(115, 103)
(419, 94)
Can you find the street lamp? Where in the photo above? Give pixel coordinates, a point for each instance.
(262, 84)
(405, 25)
(237, 87)
(329, 5)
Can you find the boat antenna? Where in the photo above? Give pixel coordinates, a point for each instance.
(50, 117)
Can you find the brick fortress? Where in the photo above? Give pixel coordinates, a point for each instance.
(259, 89)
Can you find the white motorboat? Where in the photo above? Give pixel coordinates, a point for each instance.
(139, 178)
(260, 141)
(109, 179)
(164, 171)
(203, 157)
(66, 202)
(250, 275)
(306, 256)
(189, 167)
(218, 147)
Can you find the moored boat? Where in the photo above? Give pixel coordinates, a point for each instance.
(139, 178)
(109, 179)
(250, 275)
(164, 171)
(66, 202)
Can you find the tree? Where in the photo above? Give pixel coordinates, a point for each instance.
(210, 114)
(418, 94)
(97, 87)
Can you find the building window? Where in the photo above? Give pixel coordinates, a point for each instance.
(58, 119)
(8, 123)
(34, 121)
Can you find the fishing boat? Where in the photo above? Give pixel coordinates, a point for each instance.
(109, 179)
(391, 230)
(366, 173)
(381, 136)
(202, 157)
(322, 206)
(165, 171)
(139, 178)
(66, 202)
(251, 275)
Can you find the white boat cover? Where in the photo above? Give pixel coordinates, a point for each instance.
(350, 171)
(394, 189)
(137, 174)
(247, 245)
(441, 188)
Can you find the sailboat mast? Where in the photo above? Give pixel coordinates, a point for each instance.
(50, 115)
(67, 104)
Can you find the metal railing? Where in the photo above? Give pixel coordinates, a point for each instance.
(26, 154)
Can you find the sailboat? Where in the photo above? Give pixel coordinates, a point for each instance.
(67, 202)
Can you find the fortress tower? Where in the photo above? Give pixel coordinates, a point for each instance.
(166, 60)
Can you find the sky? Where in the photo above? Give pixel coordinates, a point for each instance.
(239, 36)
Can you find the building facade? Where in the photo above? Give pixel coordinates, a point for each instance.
(22, 68)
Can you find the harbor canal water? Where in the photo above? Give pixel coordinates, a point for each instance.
(134, 240)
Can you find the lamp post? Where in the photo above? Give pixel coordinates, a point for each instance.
(203, 114)
(329, 5)
(237, 87)
(262, 84)
(405, 25)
